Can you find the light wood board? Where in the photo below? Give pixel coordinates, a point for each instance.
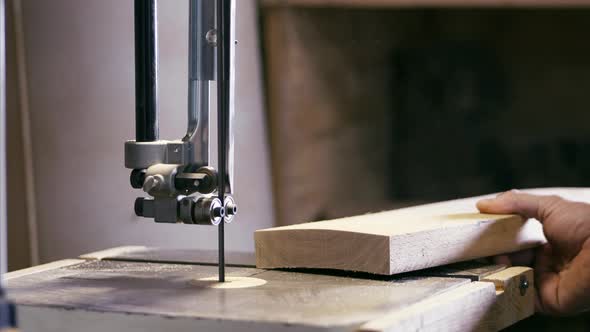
(428, 3)
(396, 241)
(489, 305)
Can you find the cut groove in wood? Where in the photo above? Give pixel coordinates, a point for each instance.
(395, 241)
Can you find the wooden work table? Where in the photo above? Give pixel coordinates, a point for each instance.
(141, 289)
(150, 289)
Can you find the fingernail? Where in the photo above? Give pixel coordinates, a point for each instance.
(483, 204)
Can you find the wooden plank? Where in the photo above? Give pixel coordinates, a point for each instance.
(396, 241)
(470, 301)
(286, 301)
(514, 300)
(427, 3)
(489, 305)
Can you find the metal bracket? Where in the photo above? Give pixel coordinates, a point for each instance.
(140, 155)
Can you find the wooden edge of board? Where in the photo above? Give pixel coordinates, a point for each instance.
(295, 248)
(112, 252)
(498, 301)
(42, 268)
(515, 291)
(424, 3)
(336, 247)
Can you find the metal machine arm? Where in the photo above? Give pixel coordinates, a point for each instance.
(178, 175)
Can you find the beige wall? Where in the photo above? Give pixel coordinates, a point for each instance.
(81, 86)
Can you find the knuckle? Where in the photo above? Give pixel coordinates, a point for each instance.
(510, 194)
(554, 198)
(546, 204)
(550, 203)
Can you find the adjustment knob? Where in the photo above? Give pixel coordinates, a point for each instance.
(153, 182)
(231, 209)
(208, 211)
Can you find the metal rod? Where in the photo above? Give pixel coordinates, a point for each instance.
(223, 104)
(146, 71)
(202, 40)
(198, 120)
(198, 110)
(7, 308)
(194, 86)
(201, 64)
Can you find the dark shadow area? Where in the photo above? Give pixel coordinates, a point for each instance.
(488, 100)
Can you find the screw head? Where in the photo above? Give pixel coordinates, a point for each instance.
(211, 37)
(524, 285)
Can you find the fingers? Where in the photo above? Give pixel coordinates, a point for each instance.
(573, 293)
(547, 288)
(523, 257)
(561, 292)
(546, 281)
(502, 260)
(515, 202)
(520, 258)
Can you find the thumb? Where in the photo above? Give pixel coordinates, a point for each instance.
(516, 202)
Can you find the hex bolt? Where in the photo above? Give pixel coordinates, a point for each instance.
(152, 182)
(211, 37)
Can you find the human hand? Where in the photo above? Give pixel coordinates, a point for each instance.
(562, 265)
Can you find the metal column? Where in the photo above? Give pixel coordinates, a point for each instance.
(7, 309)
(146, 71)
